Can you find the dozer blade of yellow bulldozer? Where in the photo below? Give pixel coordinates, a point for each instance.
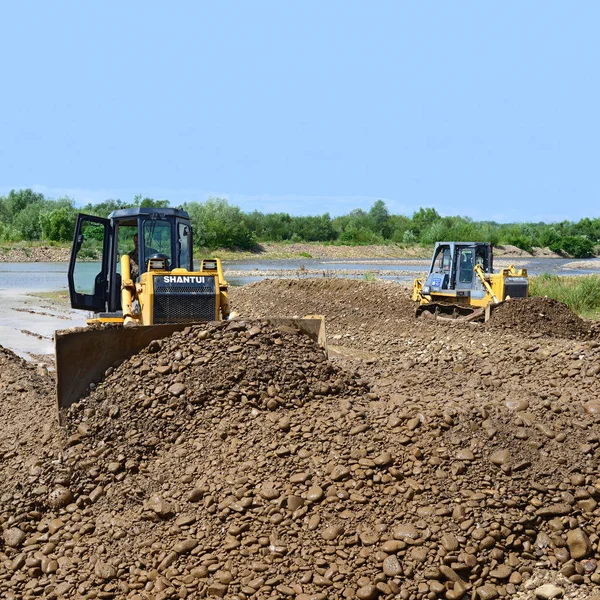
(454, 312)
(84, 354)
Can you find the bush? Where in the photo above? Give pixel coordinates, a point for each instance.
(218, 224)
(59, 224)
(576, 246)
(520, 242)
(357, 235)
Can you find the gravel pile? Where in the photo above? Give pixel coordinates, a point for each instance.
(28, 425)
(236, 461)
(539, 316)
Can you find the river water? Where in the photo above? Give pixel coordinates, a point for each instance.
(52, 276)
(28, 321)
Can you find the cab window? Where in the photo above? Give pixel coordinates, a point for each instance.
(157, 240)
(183, 240)
(466, 265)
(442, 260)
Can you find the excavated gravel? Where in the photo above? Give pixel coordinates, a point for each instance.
(27, 420)
(539, 316)
(424, 460)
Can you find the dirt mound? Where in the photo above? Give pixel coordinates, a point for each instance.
(234, 460)
(27, 419)
(539, 316)
(347, 305)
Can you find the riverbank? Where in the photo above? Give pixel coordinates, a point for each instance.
(274, 251)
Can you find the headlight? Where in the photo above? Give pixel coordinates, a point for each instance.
(426, 289)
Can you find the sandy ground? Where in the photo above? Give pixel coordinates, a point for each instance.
(28, 322)
(588, 264)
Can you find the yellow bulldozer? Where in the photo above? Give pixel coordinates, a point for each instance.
(461, 283)
(143, 288)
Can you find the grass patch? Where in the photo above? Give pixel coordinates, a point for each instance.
(581, 294)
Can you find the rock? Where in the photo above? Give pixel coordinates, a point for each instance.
(449, 542)
(339, 472)
(383, 460)
(217, 589)
(161, 507)
(406, 532)
(500, 457)
(185, 546)
(60, 497)
(55, 525)
(268, 491)
(592, 407)
(487, 592)
(501, 572)
(314, 494)
(554, 510)
(369, 538)
(104, 570)
(465, 454)
(14, 537)
(332, 532)
(177, 389)
(516, 404)
(367, 592)
(579, 544)
(548, 592)
(392, 567)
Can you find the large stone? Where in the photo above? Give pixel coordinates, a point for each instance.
(554, 510)
(549, 591)
(392, 566)
(104, 570)
(500, 457)
(185, 546)
(592, 407)
(161, 507)
(406, 532)
(332, 532)
(14, 537)
(60, 497)
(579, 544)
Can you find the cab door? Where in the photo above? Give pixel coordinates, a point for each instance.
(465, 264)
(88, 267)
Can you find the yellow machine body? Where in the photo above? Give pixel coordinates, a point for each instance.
(139, 299)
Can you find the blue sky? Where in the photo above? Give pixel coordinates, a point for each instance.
(484, 109)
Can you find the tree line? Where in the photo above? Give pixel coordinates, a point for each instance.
(26, 215)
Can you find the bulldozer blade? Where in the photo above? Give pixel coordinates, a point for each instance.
(450, 312)
(312, 325)
(84, 354)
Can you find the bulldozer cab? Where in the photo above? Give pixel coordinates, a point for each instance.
(453, 264)
(94, 270)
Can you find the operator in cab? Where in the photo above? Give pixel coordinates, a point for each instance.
(134, 259)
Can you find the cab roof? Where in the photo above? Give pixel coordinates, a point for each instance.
(144, 211)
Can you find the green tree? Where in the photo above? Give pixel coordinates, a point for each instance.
(380, 219)
(27, 221)
(577, 246)
(58, 225)
(103, 209)
(149, 202)
(424, 218)
(18, 201)
(218, 224)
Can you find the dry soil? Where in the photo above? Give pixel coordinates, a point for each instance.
(422, 460)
